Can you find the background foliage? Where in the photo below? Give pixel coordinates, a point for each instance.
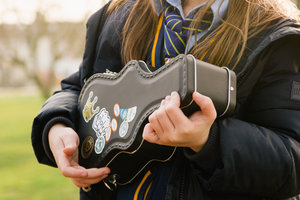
(22, 177)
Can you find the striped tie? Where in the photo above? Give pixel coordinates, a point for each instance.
(177, 30)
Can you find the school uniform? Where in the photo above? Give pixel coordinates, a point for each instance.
(253, 154)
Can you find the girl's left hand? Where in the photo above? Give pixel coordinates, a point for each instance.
(168, 125)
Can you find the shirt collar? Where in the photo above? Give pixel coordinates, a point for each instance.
(218, 8)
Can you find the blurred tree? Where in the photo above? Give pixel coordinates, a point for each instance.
(37, 49)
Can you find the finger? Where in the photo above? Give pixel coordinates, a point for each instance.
(163, 102)
(173, 111)
(70, 150)
(174, 99)
(167, 99)
(94, 176)
(149, 134)
(206, 105)
(73, 171)
(92, 180)
(55, 141)
(70, 141)
(154, 122)
(162, 118)
(87, 182)
(80, 172)
(165, 123)
(97, 172)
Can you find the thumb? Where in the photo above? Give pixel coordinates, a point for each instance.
(71, 143)
(206, 105)
(69, 150)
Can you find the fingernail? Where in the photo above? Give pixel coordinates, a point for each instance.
(197, 94)
(107, 170)
(168, 98)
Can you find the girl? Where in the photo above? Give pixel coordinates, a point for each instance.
(253, 154)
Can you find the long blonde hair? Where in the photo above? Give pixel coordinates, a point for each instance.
(245, 19)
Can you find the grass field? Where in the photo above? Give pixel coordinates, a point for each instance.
(21, 176)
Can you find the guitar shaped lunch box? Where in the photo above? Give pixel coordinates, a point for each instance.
(114, 108)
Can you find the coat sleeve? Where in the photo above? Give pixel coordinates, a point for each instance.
(258, 153)
(61, 106)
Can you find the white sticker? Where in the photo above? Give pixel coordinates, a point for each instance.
(128, 114)
(101, 122)
(131, 114)
(123, 129)
(99, 145)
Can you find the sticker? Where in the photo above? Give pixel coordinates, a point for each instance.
(88, 111)
(114, 124)
(128, 114)
(123, 129)
(117, 110)
(107, 134)
(131, 114)
(99, 145)
(101, 122)
(123, 114)
(87, 147)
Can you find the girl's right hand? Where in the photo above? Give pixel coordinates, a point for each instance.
(64, 143)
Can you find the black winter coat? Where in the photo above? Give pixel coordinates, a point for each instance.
(254, 154)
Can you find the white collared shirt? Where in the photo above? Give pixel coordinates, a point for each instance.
(218, 8)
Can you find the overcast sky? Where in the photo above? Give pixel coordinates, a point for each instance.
(23, 11)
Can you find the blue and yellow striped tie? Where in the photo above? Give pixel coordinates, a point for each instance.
(177, 30)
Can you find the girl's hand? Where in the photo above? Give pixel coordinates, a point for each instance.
(169, 126)
(64, 143)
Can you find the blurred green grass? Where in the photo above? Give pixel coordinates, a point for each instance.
(21, 176)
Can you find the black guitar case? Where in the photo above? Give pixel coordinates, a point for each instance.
(114, 108)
